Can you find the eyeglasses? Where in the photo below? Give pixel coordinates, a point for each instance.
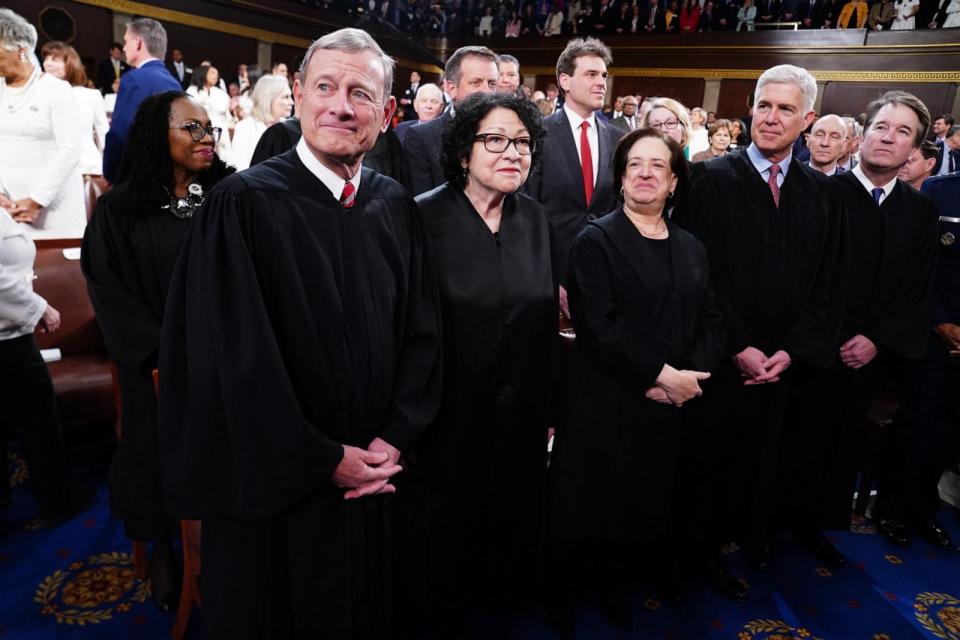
(496, 143)
(669, 125)
(197, 131)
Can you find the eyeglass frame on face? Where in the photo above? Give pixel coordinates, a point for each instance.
(193, 126)
(666, 125)
(484, 137)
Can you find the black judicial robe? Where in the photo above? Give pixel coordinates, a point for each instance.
(482, 463)
(128, 256)
(636, 308)
(893, 250)
(294, 326)
(781, 276)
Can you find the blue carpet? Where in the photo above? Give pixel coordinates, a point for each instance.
(76, 581)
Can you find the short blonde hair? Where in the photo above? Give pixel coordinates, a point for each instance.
(676, 109)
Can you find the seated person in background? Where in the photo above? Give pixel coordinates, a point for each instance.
(919, 165)
(847, 13)
(718, 134)
(881, 16)
(768, 11)
(428, 104)
(827, 141)
(272, 102)
(746, 16)
(129, 250)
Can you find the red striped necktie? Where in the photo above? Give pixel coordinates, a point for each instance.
(349, 196)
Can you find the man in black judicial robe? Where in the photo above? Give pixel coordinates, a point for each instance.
(892, 249)
(923, 439)
(468, 70)
(300, 356)
(774, 232)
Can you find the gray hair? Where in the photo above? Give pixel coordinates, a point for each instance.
(424, 88)
(152, 33)
(266, 90)
(350, 40)
(789, 74)
(506, 57)
(952, 131)
(16, 32)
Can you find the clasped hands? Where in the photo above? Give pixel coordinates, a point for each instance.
(949, 334)
(367, 472)
(757, 368)
(676, 386)
(858, 351)
(22, 210)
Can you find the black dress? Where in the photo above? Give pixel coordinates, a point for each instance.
(293, 327)
(129, 250)
(481, 466)
(637, 304)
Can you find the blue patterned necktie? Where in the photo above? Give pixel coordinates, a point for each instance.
(877, 194)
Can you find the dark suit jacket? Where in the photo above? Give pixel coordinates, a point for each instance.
(768, 7)
(138, 85)
(557, 183)
(659, 20)
(402, 128)
(621, 122)
(105, 75)
(421, 156)
(187, 74)
(815, 14)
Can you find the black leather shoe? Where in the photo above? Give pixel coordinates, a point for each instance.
(894, 531)
(164, 577)
(931, 531)
(721, 581)
(758, 555)
(821, 549)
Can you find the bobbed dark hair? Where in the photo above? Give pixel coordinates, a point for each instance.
(678, 162)
(456, 143)
(146, 164)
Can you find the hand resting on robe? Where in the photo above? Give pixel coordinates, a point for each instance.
(949, 334)
(758, 368)
(366, 472)
(676, 386)
(858, 351)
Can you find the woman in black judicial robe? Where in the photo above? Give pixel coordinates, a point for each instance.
(479, 478)
(129, 250)
(648, 331)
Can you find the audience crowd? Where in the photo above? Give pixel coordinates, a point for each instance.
(548, 18)
(351, 286)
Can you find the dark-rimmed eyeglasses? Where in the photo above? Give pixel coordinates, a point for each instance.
(669, 125)
(496, 143)
(197, 131)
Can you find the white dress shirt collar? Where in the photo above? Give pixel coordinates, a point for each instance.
(869, 186)
(330, 180)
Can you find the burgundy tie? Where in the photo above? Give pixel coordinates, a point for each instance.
(586, 162)
(348, 197)
(774, 187)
